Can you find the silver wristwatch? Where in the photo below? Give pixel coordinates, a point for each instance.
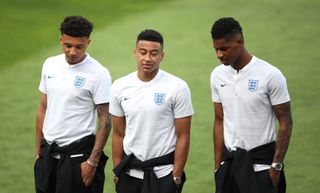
(177, 180)
(277, 166)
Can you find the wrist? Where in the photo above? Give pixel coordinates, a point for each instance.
(92, 164)
(177, 180)
(277, 166)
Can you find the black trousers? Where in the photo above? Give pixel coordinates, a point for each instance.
(129, 184)
(264, 182)
(77, 182)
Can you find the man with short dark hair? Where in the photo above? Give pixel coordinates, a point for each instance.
(249, 97)
(74, 89)
(151, 116)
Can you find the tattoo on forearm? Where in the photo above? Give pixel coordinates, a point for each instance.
(104, 116)
(104, 127)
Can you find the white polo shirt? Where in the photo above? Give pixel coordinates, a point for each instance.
(72, 93)
(150, 109)
(247, 97)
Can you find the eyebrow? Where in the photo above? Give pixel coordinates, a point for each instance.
(153, 50)
(77, 45)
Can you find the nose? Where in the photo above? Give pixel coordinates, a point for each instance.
(147, 57)
(72, 51)
(219, 54)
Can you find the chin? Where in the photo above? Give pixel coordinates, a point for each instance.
(73, 61)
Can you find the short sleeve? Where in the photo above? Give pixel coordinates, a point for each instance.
(277, 88)
(214, 91)
(43, 83)
(183, 102)
(102, 88)
(114, 105)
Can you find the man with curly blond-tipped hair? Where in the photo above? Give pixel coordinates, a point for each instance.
(75, 90)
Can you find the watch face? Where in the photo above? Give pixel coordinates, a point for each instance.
(277, 166)
(177, 180)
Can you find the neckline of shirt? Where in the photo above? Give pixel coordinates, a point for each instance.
(245, 68)
(77, 64)
(148, 83)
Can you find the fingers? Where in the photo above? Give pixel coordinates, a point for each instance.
(87, 173)
(274, 175)
(87, 182)
(115, 180)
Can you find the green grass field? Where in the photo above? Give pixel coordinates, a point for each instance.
(285, 33)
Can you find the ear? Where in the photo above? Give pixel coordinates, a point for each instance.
(135, 54)
(240, 41)
(60, 39)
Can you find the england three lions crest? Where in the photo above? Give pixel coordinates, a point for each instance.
(253, 85)
(79, 81)
(159, 98)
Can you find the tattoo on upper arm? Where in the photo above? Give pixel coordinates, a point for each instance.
(283, 112)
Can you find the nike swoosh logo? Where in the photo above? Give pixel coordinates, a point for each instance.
(50, 77)
(124, 99)
(222, 85)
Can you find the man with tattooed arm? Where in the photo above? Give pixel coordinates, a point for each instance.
(249, 97)
(75, 88)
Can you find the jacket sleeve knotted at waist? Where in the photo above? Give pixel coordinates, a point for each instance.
(150, 182)
(45, 163)
(239, 165)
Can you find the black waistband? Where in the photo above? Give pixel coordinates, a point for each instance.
(149, 184)
(259, 155)
(78, 146)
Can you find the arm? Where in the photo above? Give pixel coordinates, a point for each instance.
(182, 145)
(39, 122)
(104, 127)
(283, 114)
(218, 134)
(119, 125)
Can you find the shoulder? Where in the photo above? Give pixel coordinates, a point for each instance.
(53, 63)
(172, 79)
(95, 64)
(266, 68)
(219, 70)
(264, 65)
(125, 80)
(55, 59)
(95, 67)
